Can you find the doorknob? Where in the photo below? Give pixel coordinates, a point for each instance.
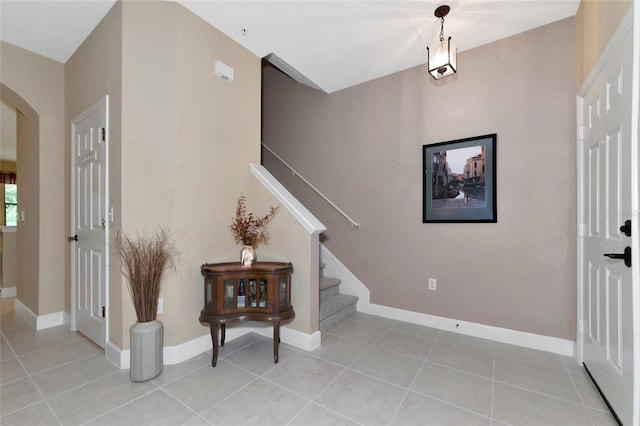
(626, 256)
(74, 238)
(626, 228)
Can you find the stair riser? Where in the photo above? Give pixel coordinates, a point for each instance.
(332, 320)
(329, 292)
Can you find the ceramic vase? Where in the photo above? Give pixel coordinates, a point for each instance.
(247, 256)
(146, 350)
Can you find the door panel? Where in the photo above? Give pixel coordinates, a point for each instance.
(607, 182)
(89, 160)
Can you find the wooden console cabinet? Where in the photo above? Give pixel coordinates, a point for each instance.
(233, 293)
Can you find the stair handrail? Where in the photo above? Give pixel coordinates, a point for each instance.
(310, 185)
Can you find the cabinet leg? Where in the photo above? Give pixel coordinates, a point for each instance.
(276, 340)
(214, 340)
(223, 330)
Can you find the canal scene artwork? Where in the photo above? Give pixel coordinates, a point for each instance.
(459, 180)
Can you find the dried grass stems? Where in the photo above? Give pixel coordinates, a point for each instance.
(144, 262)
(248, 229)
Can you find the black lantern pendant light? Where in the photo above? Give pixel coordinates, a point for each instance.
(441, 58)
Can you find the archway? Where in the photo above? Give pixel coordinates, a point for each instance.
(28, 173)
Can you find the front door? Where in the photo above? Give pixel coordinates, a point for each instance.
(609, 227)
(89, 222)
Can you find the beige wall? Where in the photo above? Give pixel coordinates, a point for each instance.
(28, 267)
(596, 21)
(35, 85)
(362, 147)
(187, 139)
(95, 70)
(181, 141)
(291, 242)
(8, 258)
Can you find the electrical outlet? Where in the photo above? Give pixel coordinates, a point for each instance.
(432, 284)
(160, 305)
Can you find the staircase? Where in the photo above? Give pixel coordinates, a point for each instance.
(334, 307)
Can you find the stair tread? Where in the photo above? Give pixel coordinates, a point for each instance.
(328, 282)
(335, 304)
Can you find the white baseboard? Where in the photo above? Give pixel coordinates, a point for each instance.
(6, 292)
(351, 285)
(26, 313)
(304, 341)
(184, 351)
(117, 356)
(50, 320)
(498, 334)
(39, 322)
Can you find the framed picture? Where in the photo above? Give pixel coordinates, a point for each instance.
(459, 180)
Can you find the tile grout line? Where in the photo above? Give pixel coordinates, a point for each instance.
(33, 382)
(351, 367)
(493, 387)
(579, 404)
(442, 401)
(575, 387)
(79, 339)
(46, 370)
(424, 362)
(344, 370)
(123, 405)
(455, 369)
(310, 401)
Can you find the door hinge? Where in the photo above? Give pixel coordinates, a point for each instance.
(103, 312)
(626, 228)
(581, 326)
(103, 223)
(103, 132)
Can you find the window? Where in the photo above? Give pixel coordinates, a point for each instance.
(10, 204)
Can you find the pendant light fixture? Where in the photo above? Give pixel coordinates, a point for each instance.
(441, 58)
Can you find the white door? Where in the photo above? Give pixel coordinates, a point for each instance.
(89, 222)
(607, 171)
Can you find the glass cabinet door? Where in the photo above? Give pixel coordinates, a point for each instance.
(283, 292)
(262, 293)
(241, 293)
(228, 294)
(253, 292)
(207, 293)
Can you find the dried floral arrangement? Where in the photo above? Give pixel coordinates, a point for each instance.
(144, 262)
(248, 229)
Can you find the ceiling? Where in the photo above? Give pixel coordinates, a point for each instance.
(331, 45)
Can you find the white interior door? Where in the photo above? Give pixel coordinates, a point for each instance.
(608, 168)
(89, 222)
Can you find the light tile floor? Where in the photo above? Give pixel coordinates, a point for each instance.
(368, 371)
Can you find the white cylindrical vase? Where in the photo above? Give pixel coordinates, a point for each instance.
(146, 350)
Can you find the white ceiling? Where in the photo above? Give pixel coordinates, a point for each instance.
(332, 44)
(329, 45)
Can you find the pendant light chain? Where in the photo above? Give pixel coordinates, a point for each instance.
(442, 28)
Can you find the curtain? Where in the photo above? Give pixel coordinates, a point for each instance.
(7, 177)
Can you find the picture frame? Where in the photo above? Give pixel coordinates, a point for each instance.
(459, 181)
